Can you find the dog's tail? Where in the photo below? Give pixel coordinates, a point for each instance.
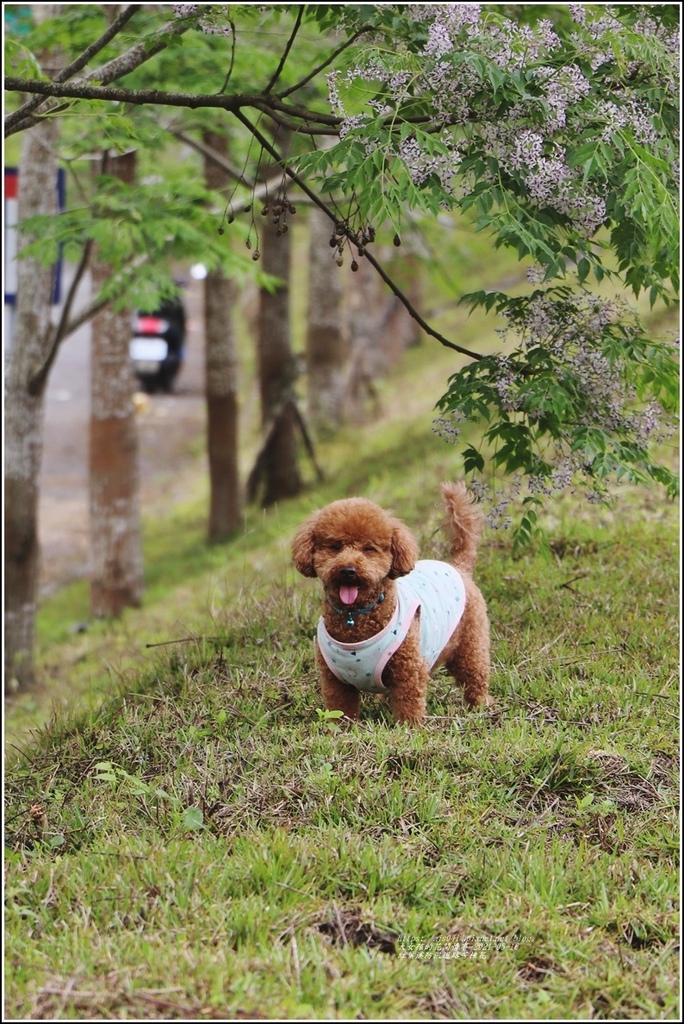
(464, 523)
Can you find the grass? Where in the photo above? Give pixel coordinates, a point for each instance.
(197, 840)
(207, 845)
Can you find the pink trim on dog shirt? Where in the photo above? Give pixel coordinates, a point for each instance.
(434, 587)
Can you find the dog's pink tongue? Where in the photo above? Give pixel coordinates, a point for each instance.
(348, 594)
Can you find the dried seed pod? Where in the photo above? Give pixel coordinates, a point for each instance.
(340, 261)
(248, 243)
(248, 208)
(256, 255)
(222, 230)
(266, 210)
(292, 208)
(354, 265)
(333, 242)
(396, 241)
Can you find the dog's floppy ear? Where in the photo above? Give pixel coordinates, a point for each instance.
(303, 547)
(404, 550)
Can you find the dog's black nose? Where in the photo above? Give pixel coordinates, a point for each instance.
(347, 572)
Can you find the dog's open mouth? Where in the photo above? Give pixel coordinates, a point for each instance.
(348, 594)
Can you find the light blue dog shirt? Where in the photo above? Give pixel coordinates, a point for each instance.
(434, 587)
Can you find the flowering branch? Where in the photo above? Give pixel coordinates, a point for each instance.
(354, 238)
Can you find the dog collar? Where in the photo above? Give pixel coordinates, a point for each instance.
(352, 612)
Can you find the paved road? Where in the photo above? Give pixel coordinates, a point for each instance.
(167, 425)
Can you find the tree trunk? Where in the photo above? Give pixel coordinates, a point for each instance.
(327, 350)
(280, 477)
(365, 306)
(24, 411)
(380, 328)
(405, 267)
(221, 381)
(116, 543)
(274, 349)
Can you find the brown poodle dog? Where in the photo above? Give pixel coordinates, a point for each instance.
(389, 620)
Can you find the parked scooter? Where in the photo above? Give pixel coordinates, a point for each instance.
(158, 345)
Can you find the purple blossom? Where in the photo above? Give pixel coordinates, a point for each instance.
(448, 426)
(561, 88)
(438, 41)
(535, 274)
(452, 17)
(336, 106)
(506, 386)
(422, 165)
(631, 117)
(410, 152)
(350, 123)
(525, 141)
(561, 477)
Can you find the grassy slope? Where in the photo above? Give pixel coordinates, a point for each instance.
(239, 859)
(517, 863)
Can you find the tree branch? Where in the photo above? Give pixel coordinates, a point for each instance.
(214, 156)
(67, 327)
(267, 188)
(139, 54)
(81, 90)
(276, 74)
(37, 380)
(289, 115)
(232, 56)
(413, 312)
(124, 64)
(294, 125)
(340, 49)
(125, 16)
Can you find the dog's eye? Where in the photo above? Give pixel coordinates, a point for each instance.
(370, 549)
(335, 545)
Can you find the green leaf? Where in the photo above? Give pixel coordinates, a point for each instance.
(473, 461)
(580, 155)
(193, 819)
(583, 268)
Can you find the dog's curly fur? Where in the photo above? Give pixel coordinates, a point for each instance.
(356, 540)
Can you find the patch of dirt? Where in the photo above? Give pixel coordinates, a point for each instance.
(347, 928)
(537, 969)
(115, 997)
